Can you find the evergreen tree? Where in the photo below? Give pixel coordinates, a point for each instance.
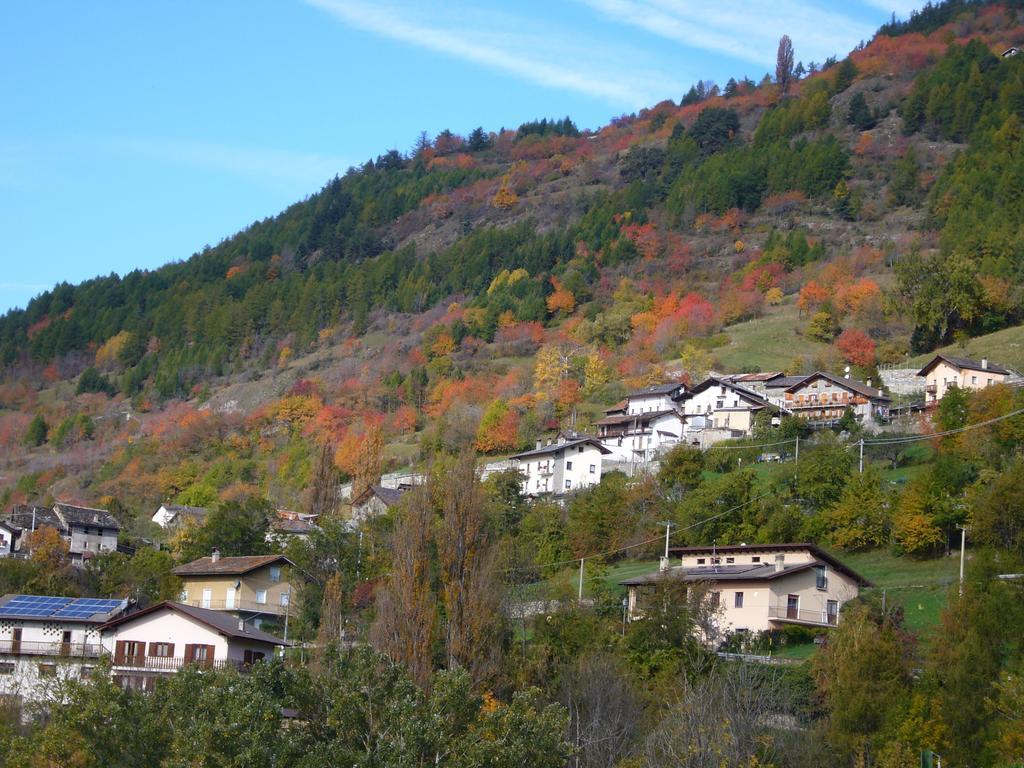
(37, 430)
(859, 114)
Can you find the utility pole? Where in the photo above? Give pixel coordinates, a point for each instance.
(963, 545)
(796, 458)
(581, 582)
(862, 455)
(668, 527)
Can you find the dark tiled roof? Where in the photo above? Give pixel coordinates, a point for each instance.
(554, 447)
(389, 496)
(785, 382)
(752, 572)
(852, 384)
(963, 362)
(22, 517)
(815, 551)
(219, 621)
(619, 407)
(75, 515)
(297, 527)
(657, 389)
(228, 566)
(628, 418)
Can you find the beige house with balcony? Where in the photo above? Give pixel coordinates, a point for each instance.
(945, 371)
(758, 587)
(821, 399)
(255, 588)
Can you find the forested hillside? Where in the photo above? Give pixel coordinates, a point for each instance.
(444, 307)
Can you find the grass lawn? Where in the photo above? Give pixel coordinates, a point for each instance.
(768, 343)
(920, 586)
(1005, 347)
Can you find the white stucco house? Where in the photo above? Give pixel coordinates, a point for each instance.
(167, 637)
(561, 467)
(46, 639)
(757, 587)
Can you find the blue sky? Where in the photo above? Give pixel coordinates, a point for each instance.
(134, 133)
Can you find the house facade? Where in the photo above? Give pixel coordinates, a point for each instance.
(822, 399)
(661, 397)
(254, 588)
(171, 515)
(9, 535)
(561, 467)
(47, 639)
(945, 371)
(88, 531)
(374, 501)
(640, 437)
(758, 587)
(167, 637)
(719, 409)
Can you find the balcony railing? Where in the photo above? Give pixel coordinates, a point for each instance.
(931, 389)
(171, 663)
(63, 650)
(249, 606)
(803, 616)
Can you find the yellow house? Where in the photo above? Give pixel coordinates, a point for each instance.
(945, 371)
(760, 586)
(253, 587)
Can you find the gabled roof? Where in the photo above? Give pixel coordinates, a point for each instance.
(181, 509)
(749, 377)
(963, 363)
(813, 549)
(228, 566)
(785, 382)
(294, 527)
(639, 418)
(89, 516)
(852, 384)
(221, 622)
(743, 392)
(24, 516)
(619, 407)
(555, 447)
(657, 389)
(389, 496)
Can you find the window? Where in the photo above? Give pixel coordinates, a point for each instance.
(285, 596)
(161, 650)
(251, 657)
(199, 653)
(701, 560)
(47, 670)
(738, 600)
(568, 484)
(183, 596)
(579, 449)
(261, 596)
(832, 611)
(974, 379)
(568, 465)
(715, 598)
(6, 668)
(86, 673)
(821, 577)
(730, 560)
(593, 469)
(275, 574)
(989, 383)
(755, 559)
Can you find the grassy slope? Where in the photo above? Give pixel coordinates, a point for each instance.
(769, 343)
(1005, 347)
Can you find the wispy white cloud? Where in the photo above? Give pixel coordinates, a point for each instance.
(748, 30)
(262, 164)
(532, 52)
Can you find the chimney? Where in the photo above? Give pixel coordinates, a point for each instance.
(241, 625)
(984, 363)
(868, 382)
(215, 556)
(540, 443)
(780, 563)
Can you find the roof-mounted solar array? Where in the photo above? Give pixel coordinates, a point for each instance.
(44, 607)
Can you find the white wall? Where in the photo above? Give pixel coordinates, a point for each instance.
(167, 626)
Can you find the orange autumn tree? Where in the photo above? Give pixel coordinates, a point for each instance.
(856, 347)
(498, 430)
(360, 455)
(562, 300)
(812, 295)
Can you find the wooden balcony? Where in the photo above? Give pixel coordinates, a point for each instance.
(242, 606)
(171, 663)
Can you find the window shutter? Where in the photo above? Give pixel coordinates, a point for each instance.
(119, 652)
(140, 651)
(170, 650)
(190, 652)
(209, 656)
(154, 649)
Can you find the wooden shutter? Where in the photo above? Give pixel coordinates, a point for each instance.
(140, 652)
(190, 652)
(119, 652)
(209, 656)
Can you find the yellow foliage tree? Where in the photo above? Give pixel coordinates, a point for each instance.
(107, 355)
(504, 198)
(773, 296)
(550, 368)
(595, 373)
(360, 455)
